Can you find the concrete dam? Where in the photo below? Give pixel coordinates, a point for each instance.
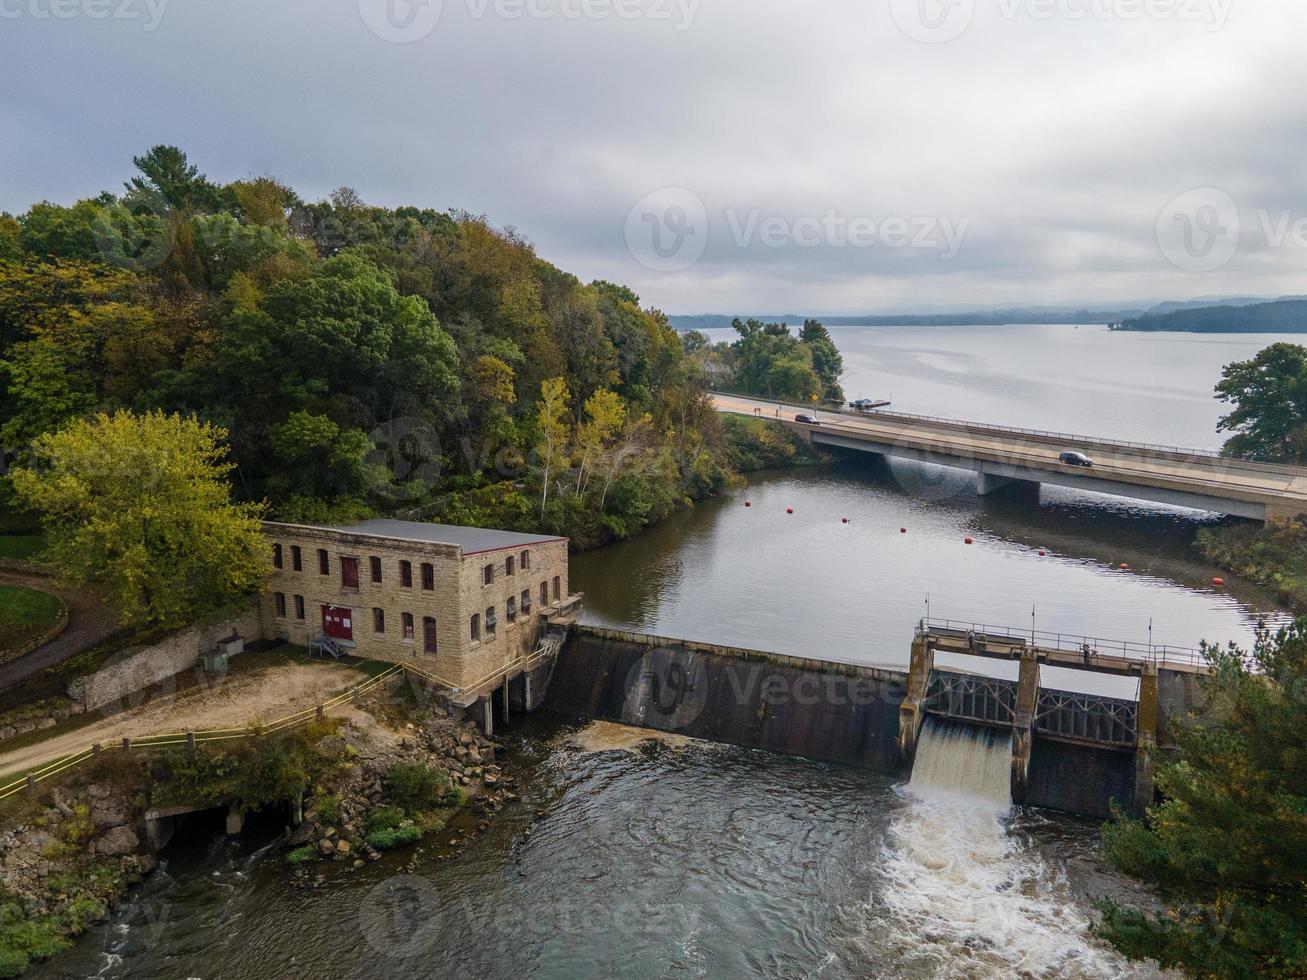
(1076, 753)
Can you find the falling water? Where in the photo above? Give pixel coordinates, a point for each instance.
(965, 896)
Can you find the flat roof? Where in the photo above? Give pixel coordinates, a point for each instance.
(472, 540)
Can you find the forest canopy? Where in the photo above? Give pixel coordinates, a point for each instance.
(363, 359)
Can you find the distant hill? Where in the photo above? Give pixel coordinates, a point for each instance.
(1197, 304)
(1279, 316)
(979, 318)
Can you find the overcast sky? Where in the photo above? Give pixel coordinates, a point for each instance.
(829, 156)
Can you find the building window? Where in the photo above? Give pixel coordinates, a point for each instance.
(510, 610)
(407, 620)
(349, 573)
(324, 563)
(526, 601)
(296, 558)
(508, 565)
(378, 620)
(429, 635)
(490, 621)
(544, 593)
(276, 556)
(488, 575)
(375, 562)
(526, 561)
(428, 576)
(406, 574)
(281, 604)
(558, 589)
(476, 627)
(299, 607)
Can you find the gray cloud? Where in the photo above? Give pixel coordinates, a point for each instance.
(1058, 140)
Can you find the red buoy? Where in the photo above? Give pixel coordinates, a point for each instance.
(1218, 582)
(748, 503)
(1125, 567)
(846, 520)
(966, 541)
(789, 510)
(903, 530)
(1042, 552)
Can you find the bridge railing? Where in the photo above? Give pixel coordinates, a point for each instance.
(1159, 654)
(942, 420)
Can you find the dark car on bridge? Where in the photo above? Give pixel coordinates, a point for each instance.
(1075, 459)
(806, 420)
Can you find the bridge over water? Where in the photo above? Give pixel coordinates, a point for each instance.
(1003, 457)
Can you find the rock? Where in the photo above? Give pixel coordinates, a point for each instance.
(98, 791)
(117, 842)
(109, 813)
(324, 847)
(45, 723)
(328, 833)
(302, 834)
(358, 863)
(342, 847)
(491, 779)
(9, 731)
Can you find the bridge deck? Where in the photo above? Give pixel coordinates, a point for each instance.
(1059, 650)
(1189, 478)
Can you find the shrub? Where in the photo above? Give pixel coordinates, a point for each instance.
(385, 840)
(301, 855)
(328, 808)
(416, 787)
(385, 818)
(82, 912)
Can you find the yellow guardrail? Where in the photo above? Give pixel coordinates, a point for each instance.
(54, 768)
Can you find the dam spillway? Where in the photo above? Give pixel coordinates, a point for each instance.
(1071, 752)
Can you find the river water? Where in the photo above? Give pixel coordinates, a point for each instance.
(677, 859)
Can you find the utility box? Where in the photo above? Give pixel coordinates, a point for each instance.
(215, 663)
(231, 646)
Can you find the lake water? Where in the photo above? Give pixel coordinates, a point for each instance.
(692, 860)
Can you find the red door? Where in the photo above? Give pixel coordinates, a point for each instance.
(338, 622)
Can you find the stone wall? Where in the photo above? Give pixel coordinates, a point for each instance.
(138, 668)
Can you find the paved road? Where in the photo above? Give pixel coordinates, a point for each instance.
(89, 623)
(1281, 490)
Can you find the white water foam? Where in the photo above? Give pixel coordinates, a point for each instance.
(962, 897)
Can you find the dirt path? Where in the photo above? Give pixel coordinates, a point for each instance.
(231, 702)
(89, 623)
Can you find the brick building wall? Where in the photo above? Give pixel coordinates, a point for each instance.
(458, 592)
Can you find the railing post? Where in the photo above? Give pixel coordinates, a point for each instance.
(190, 741)
(127, 744)
(31, 785)
(321, 713)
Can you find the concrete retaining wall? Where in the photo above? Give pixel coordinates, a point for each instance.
(840, 713)
(137, 668)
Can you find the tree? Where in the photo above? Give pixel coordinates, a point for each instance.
(1227, 849)
(552, 420)
(169, 181)
(827, 360)
(1269, 394)
(141, 502)
(605, 415)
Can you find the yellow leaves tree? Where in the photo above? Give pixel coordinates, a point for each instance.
(605, 415)
(142, 503)
(552, 422)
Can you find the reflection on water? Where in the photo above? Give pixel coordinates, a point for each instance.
(808, 584)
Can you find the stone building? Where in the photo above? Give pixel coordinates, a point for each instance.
(468, 606)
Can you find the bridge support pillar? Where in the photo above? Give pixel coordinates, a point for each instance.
(1145, 738)
(235, 821)
(1023, 724)
(912, 711)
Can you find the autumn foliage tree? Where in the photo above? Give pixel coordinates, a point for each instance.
(142, 504)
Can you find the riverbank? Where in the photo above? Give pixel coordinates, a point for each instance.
(388, 769)
(1273, 555)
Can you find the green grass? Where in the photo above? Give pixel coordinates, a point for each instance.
(21, 547)
(25, 614)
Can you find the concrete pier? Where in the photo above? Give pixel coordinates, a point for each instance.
(912, 714)
(1023, 727)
